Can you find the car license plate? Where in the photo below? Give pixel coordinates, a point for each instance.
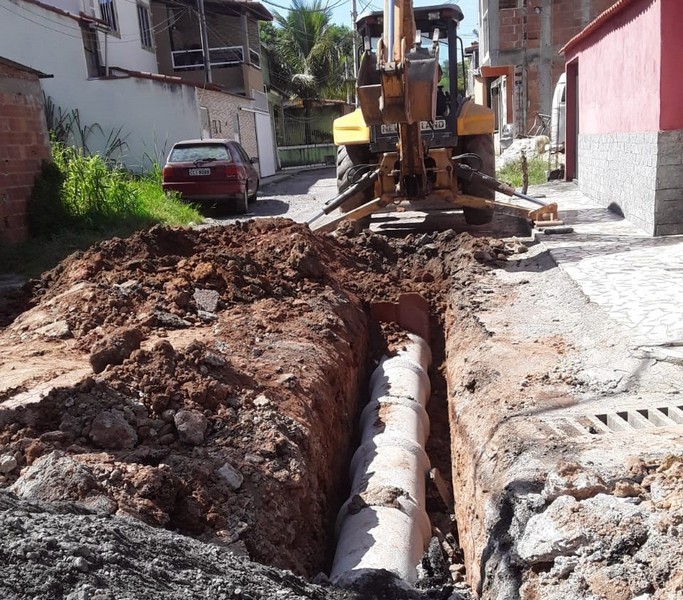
(195, 172)
(424, 126)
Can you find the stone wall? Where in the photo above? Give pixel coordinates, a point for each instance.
(669, 184)
(24, 144)
(639, 175)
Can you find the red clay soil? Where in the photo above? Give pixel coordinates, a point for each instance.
(208, 381)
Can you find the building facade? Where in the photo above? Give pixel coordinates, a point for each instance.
(519, 61)
(624, 112)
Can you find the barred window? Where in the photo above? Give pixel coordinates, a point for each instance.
(145, 28)
(108, 11)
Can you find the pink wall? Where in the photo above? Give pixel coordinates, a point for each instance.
(672, 60)
(620, 69)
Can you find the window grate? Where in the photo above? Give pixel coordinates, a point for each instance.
(108, 11)
(145, 28)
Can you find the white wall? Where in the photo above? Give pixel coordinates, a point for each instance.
(125, 50)
(152, 115)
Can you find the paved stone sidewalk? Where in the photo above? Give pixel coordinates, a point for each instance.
(635, 278)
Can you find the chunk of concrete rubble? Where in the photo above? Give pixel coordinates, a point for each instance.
(571, 479)
(191, 426)
(111, 430)
(57, 330)
(54, 478)
(569, 526)
(206, 300)
(550, 535)
(7, 463)
(231, 475)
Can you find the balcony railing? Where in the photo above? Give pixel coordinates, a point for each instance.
(184, 60)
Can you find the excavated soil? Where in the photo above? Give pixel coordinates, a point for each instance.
(178, 410)
(207, 382)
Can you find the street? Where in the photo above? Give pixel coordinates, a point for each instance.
(296, 195)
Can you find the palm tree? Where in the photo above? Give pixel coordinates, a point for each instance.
(311, 52)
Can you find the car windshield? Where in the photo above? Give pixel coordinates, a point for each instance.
(199, 152)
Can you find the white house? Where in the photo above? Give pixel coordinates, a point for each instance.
(102, 56)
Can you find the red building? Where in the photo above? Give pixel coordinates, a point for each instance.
(625, 112)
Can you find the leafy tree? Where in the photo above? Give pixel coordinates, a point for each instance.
(308, 52)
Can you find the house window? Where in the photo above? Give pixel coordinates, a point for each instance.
(108, 11)
(145, 28)
(507, 4)
(92, 51)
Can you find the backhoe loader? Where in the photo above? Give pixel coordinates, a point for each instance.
(409, 141)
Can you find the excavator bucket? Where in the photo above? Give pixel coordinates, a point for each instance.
(403, 94)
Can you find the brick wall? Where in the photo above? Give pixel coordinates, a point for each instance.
(645, 180)
(24, 144)
(227, 120)
(531, 36)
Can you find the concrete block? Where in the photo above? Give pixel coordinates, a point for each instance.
(669, 177)
(674, 195)
(668, 229)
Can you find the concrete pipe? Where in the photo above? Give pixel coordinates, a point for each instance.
(383, 524)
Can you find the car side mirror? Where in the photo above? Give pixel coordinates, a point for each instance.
(253, 159)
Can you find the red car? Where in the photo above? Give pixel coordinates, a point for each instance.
(201, 170)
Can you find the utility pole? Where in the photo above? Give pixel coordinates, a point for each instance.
(205, 42)
(355, 43)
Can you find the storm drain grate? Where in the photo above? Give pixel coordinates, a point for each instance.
(618, 421)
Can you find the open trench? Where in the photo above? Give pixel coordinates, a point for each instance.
(211, 384)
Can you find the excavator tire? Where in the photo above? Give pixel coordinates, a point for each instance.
(482, 146)
(348, 157)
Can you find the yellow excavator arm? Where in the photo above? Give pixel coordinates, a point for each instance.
(397, 85)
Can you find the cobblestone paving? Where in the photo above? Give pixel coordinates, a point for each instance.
(635, 278)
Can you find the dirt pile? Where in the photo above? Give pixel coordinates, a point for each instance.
(207, 382)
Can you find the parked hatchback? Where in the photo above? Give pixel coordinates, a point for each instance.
(211, 170)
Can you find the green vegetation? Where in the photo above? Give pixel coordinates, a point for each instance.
(311, 58)
(512, 172)
(79, 199)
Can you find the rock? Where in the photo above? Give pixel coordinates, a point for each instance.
(57, 330)
(550, 535)
(604, 522)
(573, 480)
(115, 349)
(110, 430)
(7, 463)
(206, 300)
(262, 401)
(231, 475)
(167, 319)
(191, 426)
(54, 478)
(214, 360)
(563, 566)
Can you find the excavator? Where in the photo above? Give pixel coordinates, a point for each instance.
(409, 141)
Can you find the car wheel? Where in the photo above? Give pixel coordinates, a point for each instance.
(482, 146)
(243, 202)
(252, 198)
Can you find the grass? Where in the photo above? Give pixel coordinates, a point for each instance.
(512, 172)
(79, 200)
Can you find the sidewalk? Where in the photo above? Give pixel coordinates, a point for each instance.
(287, 173)
(635, 278)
